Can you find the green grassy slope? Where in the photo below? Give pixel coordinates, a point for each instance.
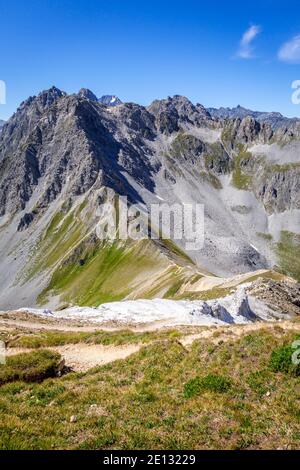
(84, 270)
(234, 394)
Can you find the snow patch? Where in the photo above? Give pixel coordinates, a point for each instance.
(233, 309)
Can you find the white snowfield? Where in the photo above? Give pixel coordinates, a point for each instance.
(237, 308)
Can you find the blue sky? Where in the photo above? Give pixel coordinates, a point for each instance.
(216, 53)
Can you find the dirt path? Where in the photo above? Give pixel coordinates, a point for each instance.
(235, 331)
(82, 357)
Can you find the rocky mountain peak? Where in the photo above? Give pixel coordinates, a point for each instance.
(107, 100)
(43, 100)
(86, 93)
(47, 97)
(172, 112)
(110, 100)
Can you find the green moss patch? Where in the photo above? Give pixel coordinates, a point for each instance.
(209, 383)
(240, 178)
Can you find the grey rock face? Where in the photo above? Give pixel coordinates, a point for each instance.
(242, 131)
(245, 310)
(220, 312)
(172, 112)
(26, 221)
(110, 100)
(68, 141)
(248, 130)
(279, 189)
(41, 141)
(86, 93)
(137, 119)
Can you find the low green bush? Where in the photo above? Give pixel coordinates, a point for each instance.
(281, 360)
(209, 383)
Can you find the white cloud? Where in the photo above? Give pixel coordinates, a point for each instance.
(245, 50)
(290, 51)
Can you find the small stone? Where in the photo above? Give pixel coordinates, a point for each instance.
(268, 394)
(73, 419)
(96, 410)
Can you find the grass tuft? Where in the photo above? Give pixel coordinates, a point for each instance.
(209, 383)
(30, 367)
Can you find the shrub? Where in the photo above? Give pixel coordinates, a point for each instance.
(281, 361)
(211, 382)
(30, 367)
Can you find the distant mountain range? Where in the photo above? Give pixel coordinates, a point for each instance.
(274, 119)
(62, 156)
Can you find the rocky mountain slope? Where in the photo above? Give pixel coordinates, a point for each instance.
(1, 123)
(62, 156)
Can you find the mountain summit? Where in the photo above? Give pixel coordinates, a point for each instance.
(86, 93)
(107, 100)
(110, 100)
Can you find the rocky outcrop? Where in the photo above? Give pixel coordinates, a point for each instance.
(88, 94)
(278, 187)
(281, 296)
(171, 113)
